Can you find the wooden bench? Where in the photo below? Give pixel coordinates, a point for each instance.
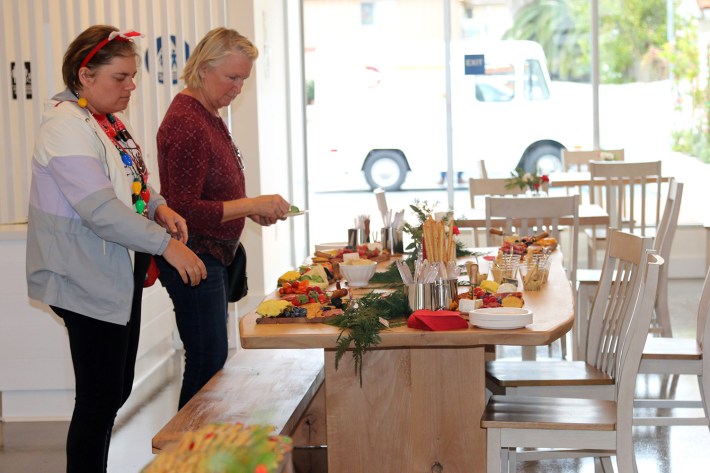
(275, 387)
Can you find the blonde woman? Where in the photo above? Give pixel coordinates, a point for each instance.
(202, 177)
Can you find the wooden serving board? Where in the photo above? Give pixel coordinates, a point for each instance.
(293, 320)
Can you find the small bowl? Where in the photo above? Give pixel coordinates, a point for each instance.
(358, 275)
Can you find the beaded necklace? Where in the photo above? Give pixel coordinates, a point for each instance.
(130, 152)
(132, 159)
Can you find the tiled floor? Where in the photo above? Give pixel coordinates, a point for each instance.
(39, 447)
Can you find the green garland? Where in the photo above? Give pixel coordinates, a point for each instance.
(362, 322)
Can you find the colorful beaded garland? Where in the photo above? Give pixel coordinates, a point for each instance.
(130, 153)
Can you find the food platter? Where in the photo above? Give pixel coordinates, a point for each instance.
(501, 318)
(294, 320)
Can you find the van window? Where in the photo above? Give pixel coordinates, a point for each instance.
(535, 85)
(497, 85)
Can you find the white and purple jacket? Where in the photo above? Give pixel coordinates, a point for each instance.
(82, 230)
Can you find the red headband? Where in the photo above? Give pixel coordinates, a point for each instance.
(114, 35)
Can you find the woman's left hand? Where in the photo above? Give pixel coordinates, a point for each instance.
(172, 222)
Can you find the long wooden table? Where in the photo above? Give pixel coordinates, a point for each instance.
(422, 393)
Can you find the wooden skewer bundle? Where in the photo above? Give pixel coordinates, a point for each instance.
(440, 245)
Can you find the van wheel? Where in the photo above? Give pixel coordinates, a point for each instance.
(386, 169)
(544, 159)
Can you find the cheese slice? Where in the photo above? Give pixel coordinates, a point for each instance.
(316, 277)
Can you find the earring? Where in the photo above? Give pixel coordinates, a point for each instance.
(82, 102)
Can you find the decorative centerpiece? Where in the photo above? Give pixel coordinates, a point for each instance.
(530, 182)
(423, 212)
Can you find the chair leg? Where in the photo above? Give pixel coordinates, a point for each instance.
(608, 467)
(592, 252)
(625, 456)
(704, 385)
(563, 346)
(512, 461)
(494, 453)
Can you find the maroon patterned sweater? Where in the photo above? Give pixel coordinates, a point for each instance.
(198, 171)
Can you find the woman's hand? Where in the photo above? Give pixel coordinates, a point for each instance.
(270, 207)
(265, 221)
(264, 209)
(187, 263)
(172, 222)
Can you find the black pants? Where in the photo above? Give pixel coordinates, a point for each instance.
(104, 357)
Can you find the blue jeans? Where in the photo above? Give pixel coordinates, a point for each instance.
(201, 316)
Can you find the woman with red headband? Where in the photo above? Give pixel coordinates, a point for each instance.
(94, 221)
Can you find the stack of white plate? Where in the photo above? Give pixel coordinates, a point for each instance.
(500, 318)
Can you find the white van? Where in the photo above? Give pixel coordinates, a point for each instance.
(392, 129)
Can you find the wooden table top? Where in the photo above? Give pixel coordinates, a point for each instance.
(583, 178)
(552, 309)
(589, 214)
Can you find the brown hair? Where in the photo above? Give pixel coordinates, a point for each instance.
(216, 44)
(82, 46)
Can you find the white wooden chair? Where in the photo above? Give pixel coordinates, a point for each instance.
(579, 427)
(680, 356)
(593, 378)
(529, 215)
(578, 160)
(631, 193)
(481, 187)
(479, 169)
(587, 279)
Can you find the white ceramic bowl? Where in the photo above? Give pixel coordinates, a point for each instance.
(358, 275)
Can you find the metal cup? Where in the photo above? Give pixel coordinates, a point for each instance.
(420, 296)
(445, 291)
(397, 242)
(392, 240)
(353, 237)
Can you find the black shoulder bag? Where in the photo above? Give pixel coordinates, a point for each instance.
(237, 276)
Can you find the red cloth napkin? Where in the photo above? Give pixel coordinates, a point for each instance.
(436, 320)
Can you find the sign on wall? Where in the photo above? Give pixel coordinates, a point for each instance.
(167, 55)
(20, 75)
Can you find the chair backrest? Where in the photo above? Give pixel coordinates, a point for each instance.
(479, 169)
(665, 232)
(529, 215)
(490, 186)
(614, 300)
(631, 347)
(703, 324)
(578, 160)
(630, 192)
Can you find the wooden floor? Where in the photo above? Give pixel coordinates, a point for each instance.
(39, 447)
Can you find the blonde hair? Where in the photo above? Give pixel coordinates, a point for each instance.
(211, 49)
